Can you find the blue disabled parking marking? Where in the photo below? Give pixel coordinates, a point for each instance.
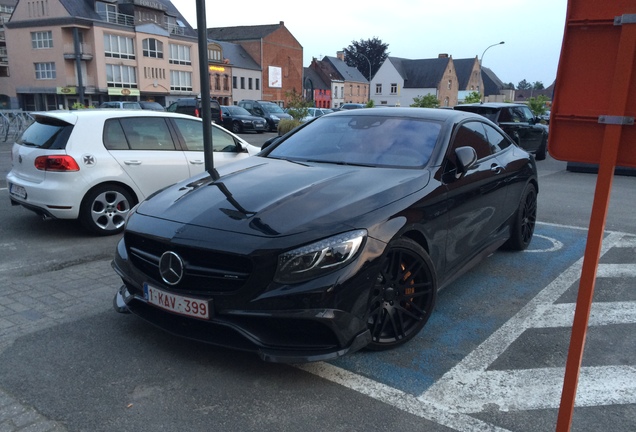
(470, 310)
(445, 374)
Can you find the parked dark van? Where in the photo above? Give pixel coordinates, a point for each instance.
(270, 111)
(517, 121)
(192, 106)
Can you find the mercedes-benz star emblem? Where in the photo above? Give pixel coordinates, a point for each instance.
(171, 268)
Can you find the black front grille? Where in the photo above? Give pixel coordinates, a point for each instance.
(206, 272)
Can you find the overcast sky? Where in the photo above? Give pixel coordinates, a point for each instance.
(414, 29)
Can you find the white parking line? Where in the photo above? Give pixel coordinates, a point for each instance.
(408, 403)
(470, 388)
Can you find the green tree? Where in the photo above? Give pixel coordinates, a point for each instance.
(373, 49)
(428, 101)
(297, 105)
(537, 105)
(524, 85)
(473, 97)
(538, 85)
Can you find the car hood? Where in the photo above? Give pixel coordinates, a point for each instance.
(270, 197)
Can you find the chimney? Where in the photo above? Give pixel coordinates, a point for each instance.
(340, 55)
(442, 56)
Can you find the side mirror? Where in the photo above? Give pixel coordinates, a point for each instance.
(466, 158)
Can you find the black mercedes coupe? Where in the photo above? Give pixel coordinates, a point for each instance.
(335, 238)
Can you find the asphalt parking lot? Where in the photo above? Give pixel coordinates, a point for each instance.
(491, 358)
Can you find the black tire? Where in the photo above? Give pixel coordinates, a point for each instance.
(236, 127)
(542, 152)
(104, 209)
(403, 295)
(524, 220)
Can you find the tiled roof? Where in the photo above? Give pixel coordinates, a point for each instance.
(426, 73)
(463, 69)
(86, 9)
(238, 56)
(242, 32)
(316, 81)
(347, 72)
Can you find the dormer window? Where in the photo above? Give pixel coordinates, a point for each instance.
(214, 53)
(107, 11)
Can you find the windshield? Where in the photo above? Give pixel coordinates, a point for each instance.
(272, 108)
(362, 140)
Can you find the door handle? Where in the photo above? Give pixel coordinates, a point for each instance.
(196, 162)
(132, 162)
(496, 168)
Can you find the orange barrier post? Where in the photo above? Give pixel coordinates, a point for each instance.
(615, 122)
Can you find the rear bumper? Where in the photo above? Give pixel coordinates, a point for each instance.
(50, 199)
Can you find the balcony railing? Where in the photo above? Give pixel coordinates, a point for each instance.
(86, 81)
(86, 51)
(118, 18)
(174, 28)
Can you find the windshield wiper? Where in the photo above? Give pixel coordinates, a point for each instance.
(340, 163)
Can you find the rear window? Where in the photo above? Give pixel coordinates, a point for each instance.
(46, 134)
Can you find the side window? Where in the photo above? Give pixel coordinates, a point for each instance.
(114, 138)
(527, 114)
(505, 116)
(222, 141)
(496, 140)
(192, 133)
(517, 115)
(473, 134)
(147, 133)
(172, 107)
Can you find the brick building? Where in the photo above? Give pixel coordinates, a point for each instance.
(275, 50)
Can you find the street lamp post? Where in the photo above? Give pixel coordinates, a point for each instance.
(369, 96)
(481, 62)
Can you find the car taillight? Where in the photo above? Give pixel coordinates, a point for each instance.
(196, 112)
(56, 163)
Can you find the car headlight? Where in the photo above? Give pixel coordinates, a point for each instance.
(318, 258)
(273, 117)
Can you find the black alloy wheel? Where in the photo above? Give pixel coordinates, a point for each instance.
(403, 295)
(522, 227)
(236, 127)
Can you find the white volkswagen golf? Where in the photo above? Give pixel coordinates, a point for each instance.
(95, 165)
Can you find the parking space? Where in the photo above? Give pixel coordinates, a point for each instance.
(495, 348)
(491, 358)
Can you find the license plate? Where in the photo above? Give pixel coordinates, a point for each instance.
(259, 125)
(181, 305)
(17, 191)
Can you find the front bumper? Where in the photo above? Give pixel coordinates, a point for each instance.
(276, 336)
(318, 320)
